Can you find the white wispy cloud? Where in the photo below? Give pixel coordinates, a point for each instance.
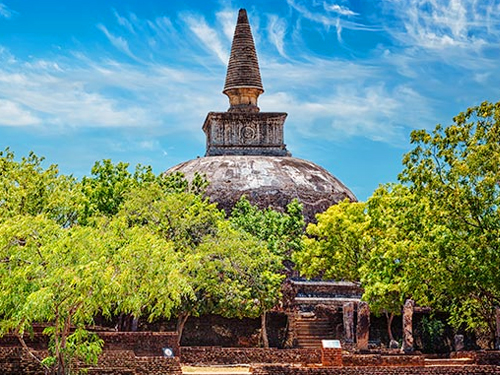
(339, 9)
(436, 24)
(373, 112)
(124, 21)
(227, 21)
(6, 12)
(13, 115)
(208, 36)
(277, 31)
(318, 15)
(117, 41)
(180, 75)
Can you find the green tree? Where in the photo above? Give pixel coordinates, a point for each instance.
(389, 274)
(169, 211)
(368, 243)
(235, 275)
(457, 168)
(229, 271)
(27, 188)
(182, 217)
(148, 279)
(337, 245)
(108, 185)
(281, 231)
(57, 276)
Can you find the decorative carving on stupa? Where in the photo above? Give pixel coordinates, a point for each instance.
(243, 129)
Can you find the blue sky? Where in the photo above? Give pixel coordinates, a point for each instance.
(132, 80)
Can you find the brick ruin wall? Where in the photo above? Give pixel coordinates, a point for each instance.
(14, 361)
(124, 353)
(369, 370)
(221, 356)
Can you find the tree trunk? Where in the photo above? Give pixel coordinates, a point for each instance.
(135, 323)
(263, 330)
(28, 350)
(181, 322)
(390, 318)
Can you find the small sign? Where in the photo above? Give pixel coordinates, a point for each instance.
(168, 352)
(331, 344)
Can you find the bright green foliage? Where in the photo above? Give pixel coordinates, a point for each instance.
(106, 188)
(392, 271)
(282, 231)
(234, 274)
(436, 239)
(366, 242)
(384, 274)
(338, 245)
(181, 217)
(228, 271)
(26, 188)
(122, 243)
(147, 277)
(109, 184)
(55, 275)
(457, 169)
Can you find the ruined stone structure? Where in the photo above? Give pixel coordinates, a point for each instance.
(245, 150)
(408, 325)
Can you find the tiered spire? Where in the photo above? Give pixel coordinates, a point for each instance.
(243, 83)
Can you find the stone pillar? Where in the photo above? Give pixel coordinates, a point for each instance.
(459, 343)
(497, 332)
(291, 329)
(363, 326)
(348, 315)
(408, 326)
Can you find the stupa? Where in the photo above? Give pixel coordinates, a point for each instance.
(245, 149)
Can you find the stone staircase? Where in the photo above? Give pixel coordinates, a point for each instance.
(311, 329)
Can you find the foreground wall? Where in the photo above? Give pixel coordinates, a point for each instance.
(124, 353)
(226, 356)
(15, 361)
(448, 370)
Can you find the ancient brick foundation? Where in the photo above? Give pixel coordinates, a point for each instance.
(14, 361)
(369, 370)
(331, 357)
(480, 357)
(220, 356)
(143, 344)
(124, 353)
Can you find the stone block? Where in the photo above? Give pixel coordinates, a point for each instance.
(363, 326)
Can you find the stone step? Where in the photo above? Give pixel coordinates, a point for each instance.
(311, 329)
(448, 361)
(312, 323)
(216, 370)
(314, 329)
(323, 336)
(307, 326)
(309, 345)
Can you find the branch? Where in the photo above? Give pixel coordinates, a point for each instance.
(28, 350)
